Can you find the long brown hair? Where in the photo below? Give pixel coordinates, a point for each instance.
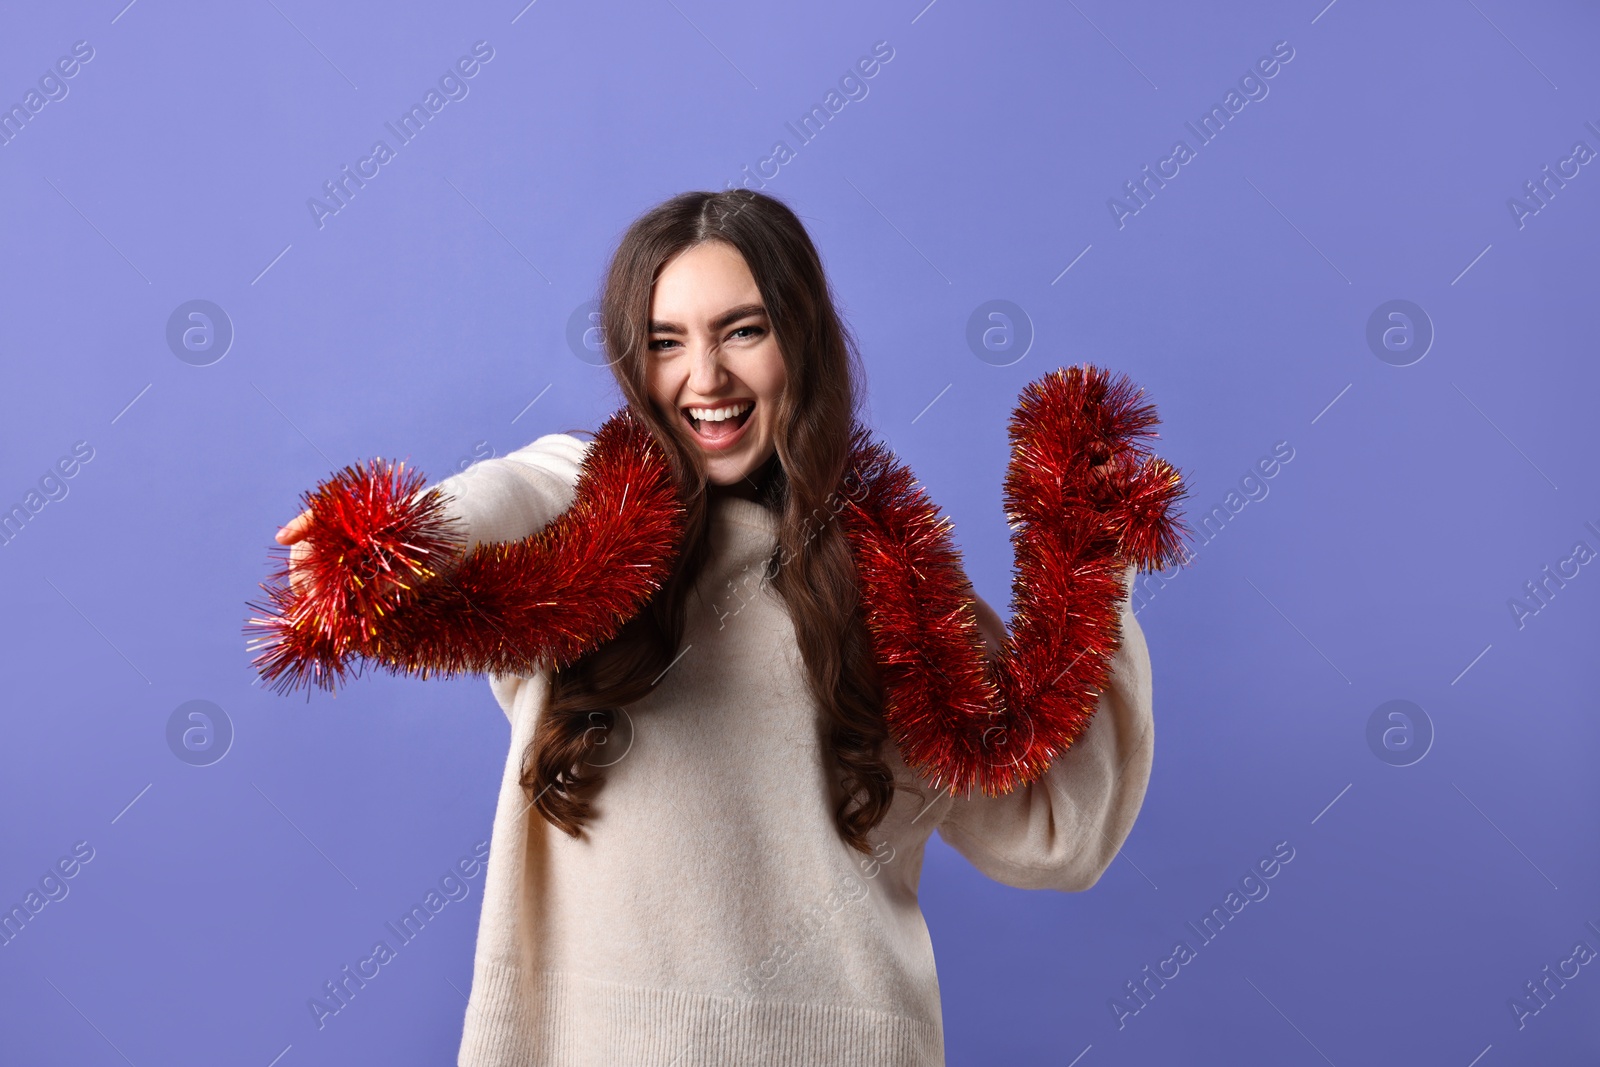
(816, 578)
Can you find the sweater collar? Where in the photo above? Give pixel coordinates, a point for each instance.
(743, 534)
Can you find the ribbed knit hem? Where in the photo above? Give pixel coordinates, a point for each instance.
(562, 1020)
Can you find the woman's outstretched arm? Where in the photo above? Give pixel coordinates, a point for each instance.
(511, 565)
(504, 498)
(1063, 830)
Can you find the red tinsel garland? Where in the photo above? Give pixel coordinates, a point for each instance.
(378, 588)
(1084, 499)
(1083, 496)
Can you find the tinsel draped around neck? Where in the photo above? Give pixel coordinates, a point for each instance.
(1083, 495)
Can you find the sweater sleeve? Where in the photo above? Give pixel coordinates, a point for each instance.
(1063, 830)
(507, 498)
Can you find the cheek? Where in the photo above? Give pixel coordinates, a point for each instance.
(658, 385)
(773, 376)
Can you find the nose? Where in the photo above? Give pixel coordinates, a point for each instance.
(706, 372)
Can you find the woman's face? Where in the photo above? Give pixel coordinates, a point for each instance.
(713, 361)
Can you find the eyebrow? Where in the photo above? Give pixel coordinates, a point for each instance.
(727, 318)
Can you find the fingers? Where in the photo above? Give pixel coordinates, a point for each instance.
(297, 574)
(294, 534)
(295, 530)
(1103, 475)
(1114, 470)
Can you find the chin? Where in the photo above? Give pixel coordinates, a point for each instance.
(725, 474)
(736, 471)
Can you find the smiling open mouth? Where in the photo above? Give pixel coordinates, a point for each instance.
(719, 427)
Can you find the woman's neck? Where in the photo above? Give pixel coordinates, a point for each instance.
(753, 486)
(744, 488)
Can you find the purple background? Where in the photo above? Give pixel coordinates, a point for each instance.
(422, 319)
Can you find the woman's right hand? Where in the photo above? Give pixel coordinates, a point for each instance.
(294, 534)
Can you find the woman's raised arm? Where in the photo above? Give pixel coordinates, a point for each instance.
(1062, 830)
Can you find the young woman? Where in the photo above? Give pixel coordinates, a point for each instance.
(707, 844)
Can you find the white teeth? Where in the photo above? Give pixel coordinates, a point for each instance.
(719, 414)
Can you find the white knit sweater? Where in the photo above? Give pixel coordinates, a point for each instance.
(714, 916)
